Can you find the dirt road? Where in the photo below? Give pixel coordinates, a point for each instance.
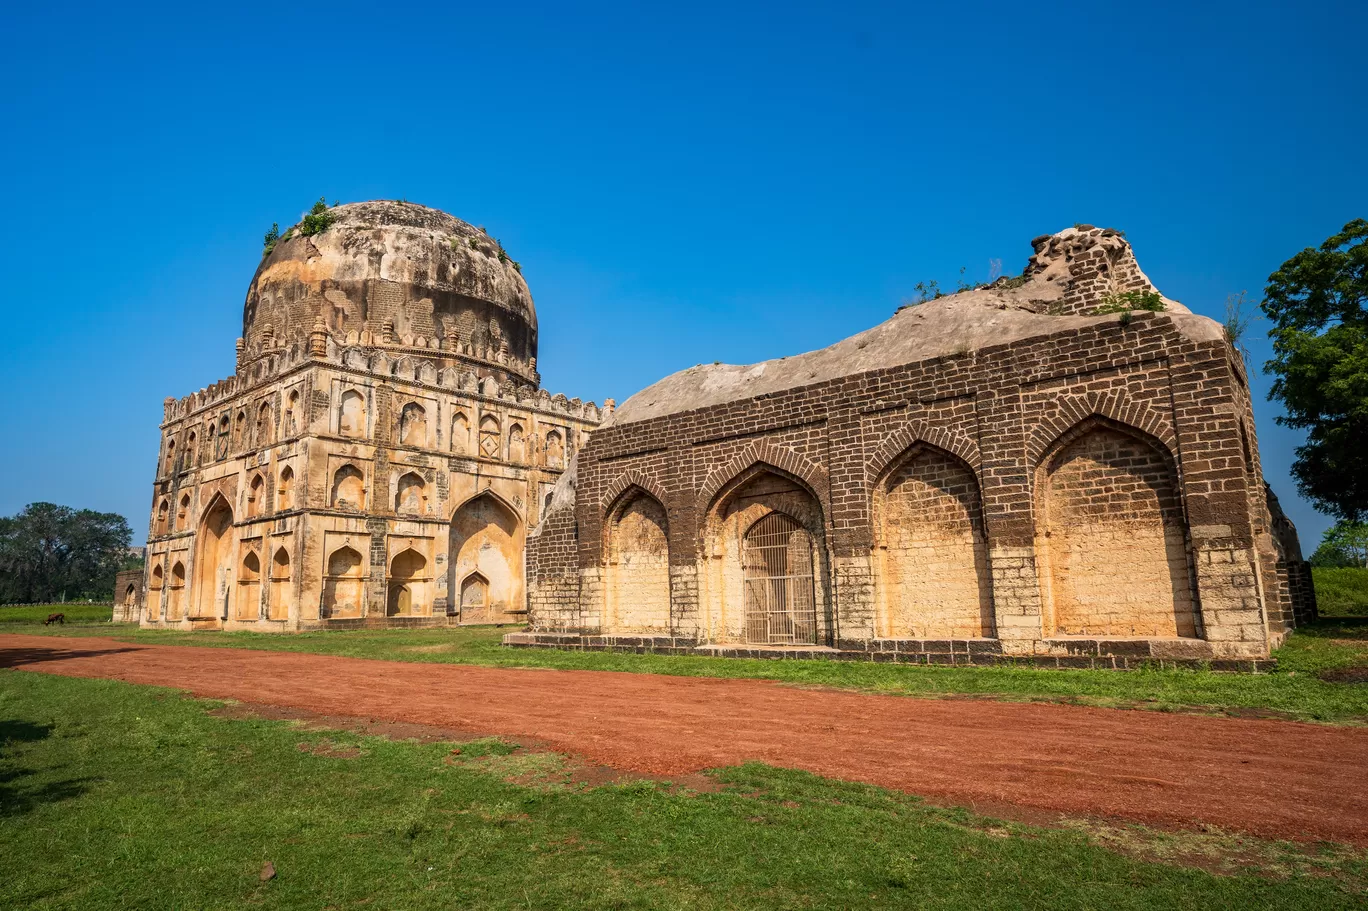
(1270, 778)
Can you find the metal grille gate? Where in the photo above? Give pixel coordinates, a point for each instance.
(781, 606)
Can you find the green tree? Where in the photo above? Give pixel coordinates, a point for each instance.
(1343, 544)
(1318, 304)
(49, 552)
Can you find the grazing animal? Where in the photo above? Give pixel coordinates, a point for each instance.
(55, 618)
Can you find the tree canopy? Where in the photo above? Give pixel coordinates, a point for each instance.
(50, 552)
(1318, 304)
(1344, 544)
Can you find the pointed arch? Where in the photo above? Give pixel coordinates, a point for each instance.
(474, 595)
(409, 576)
(460, 433)
(488, 536)
(240, 431)
(348, 488)
(555, 449)
(632, 477)
(637, 553)
(1070, 411)
(265, 426)
(171, 455)
(351, 414)
(285, 489)
(278, 603)
(761, 455)
(1112, 553)
(175, 599)
(256, 496)
(192, 454)
(490, 437)
(410, 494)
(517, 443)
(247, 599)
(344, 583)
(413, 425)
(291, 413)
(183, 513)
(913, 431)
(931, 549)
(163, 515)
(735, 599)
(214, 553)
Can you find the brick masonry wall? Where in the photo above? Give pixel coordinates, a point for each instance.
(1001, 412)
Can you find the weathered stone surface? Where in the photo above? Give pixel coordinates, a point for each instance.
(382, 449)
(1004, 474)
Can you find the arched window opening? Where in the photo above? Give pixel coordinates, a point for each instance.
(223, 439)
(163, 512)
(517, 444)
(291, 412)
(170, 456)
(555, 449)
(781, 605)
(411, 494)
(175, 599)
(344, 584)
(285, 491)
(460, 434)
(240, 432)
(348, 488)
(407, 586)
(183, 513)
(489, 437)
(413, 425)
(351, 414)
(192, 453)
(255, 497)
(278, 604)
(155, 581)
(264, 426)
(247, 602)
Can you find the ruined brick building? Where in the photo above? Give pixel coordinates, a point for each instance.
(382, 449)
(1042, 470)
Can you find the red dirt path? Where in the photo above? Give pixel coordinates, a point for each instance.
(1269, 778)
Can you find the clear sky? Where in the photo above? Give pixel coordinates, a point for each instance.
(724, 182)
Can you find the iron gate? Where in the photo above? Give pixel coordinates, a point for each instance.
(781, 607)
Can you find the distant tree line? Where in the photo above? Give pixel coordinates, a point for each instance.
(1344, 544)
(56, 553)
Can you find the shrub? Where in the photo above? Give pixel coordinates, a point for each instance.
(318, 220)
(272, 238)
(1126, 301)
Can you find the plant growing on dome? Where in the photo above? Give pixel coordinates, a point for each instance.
(318, 219)
(270, 240)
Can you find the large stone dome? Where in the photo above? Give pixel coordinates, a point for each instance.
(395, 275)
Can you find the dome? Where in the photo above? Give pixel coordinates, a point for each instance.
(394, 274)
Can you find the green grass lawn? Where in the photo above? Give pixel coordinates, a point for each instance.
(1294, 689)
(1341, 592)
(75, 611)
(122, 796)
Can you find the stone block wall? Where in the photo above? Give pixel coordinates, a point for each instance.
(1095, 484)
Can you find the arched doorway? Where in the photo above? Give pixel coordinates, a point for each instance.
(487, 539)
(408, 578)
(247, 603)
(781, 607)
(767, 567)
(213, 562)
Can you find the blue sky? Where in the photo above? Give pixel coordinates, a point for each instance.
(714, 182)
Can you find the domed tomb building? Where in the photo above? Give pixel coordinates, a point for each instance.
(382, 449)
(1058, 468)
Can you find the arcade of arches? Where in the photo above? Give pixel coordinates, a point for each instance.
(1010, 473)
(381, 450)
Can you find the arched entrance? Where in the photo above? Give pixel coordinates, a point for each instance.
(781, 607)
(408, 586)
(487, 539)
(767, 567)
(213, 562)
